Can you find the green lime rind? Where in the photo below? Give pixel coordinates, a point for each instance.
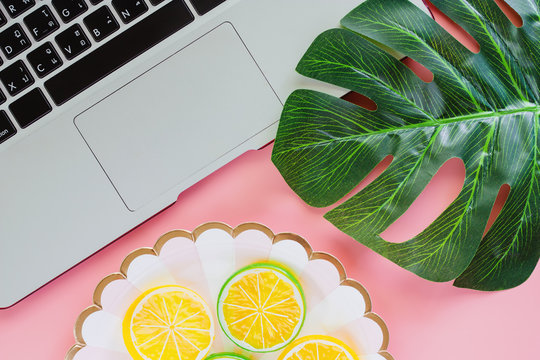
(271, 266)
(226, 355)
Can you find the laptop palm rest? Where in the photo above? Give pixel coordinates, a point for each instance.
(178, 118)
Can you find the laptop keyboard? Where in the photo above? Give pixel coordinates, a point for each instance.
(72, 44)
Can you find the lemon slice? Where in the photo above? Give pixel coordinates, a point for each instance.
(261, 308)
(318, 347)
(226, 356)
(168, 322)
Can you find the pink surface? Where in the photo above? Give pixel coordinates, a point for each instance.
(426, 320)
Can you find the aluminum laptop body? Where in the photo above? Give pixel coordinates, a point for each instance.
(138, 111)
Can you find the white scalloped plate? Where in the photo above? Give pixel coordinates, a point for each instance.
(203, 260)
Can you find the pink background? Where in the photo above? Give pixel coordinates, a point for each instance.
(426, 320)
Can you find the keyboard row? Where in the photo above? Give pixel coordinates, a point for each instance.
(42, 22)
(70, 9)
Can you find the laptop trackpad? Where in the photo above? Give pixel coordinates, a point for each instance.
(179, 117)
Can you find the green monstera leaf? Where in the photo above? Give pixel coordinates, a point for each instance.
(482, 108)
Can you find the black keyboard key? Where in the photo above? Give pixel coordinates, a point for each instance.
(30, 107)
(95, 2)
(69, 9)
(2, 97)
(101, 23)
(7, 129)
(72, 41)
(3, 19)
(17, 7)
(118, 51)
(13, 41)
(44, 59)
(129, 10)
(204, 6)
(41, 22)
(16, 78)
(156, 2)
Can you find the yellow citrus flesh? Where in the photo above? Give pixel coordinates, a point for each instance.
(168, 322)
(318, 347)
(261, 308)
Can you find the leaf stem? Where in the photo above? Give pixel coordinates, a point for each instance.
(487, 114)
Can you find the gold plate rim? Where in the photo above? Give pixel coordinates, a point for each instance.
(234, 232)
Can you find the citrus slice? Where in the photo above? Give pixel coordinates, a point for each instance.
(261, 308)
(318, 347)
(226, 356)
(168, 322)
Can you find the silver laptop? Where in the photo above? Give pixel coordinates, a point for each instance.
(110, 108)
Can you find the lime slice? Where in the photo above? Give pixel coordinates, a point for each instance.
(318, 347)
(168, 322)
(261, 308)
(226, 356)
